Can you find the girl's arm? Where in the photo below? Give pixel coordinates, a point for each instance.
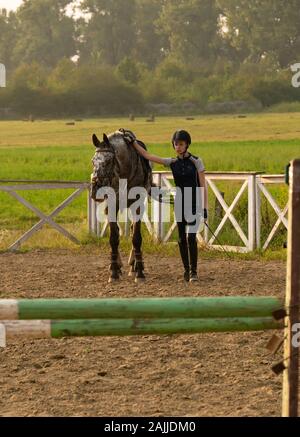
(203, 184)
(146, 154)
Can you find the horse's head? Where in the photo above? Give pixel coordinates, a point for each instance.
(103, 165)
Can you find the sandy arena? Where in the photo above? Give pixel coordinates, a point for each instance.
(197, 375)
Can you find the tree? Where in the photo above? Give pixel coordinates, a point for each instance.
(129, 71)
(109, 35)
(8, 33)
(192, 27)
(45, 32)
(264, 31)
(28, 89)
(60, 79)
(151, 44)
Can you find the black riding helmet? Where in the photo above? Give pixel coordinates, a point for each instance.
(182, 135)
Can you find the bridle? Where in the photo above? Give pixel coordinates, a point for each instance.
(110, 169)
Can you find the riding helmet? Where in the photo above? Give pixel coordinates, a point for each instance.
(182, 135)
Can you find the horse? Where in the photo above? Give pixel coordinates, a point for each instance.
(115, 159)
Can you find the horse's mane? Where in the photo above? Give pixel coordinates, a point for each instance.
(116, 139)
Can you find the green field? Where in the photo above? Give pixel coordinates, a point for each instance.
(52, 150)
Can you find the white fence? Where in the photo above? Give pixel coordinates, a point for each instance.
(22, 186)
(253, 185)
(261, 189)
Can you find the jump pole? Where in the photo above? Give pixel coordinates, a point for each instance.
(127, 327)
(139, 308)
(291, 354)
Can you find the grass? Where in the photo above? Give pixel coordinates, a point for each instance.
(255, 127)
(74, 163)
(51, 150)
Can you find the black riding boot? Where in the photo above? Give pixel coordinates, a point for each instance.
(183, 248)
(193, 250)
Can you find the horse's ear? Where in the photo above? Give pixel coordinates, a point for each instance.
(106, 140)
(96, 142)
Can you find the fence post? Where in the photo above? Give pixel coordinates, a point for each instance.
(251, 212)
(291, 354)
(89, 211)
(158, 213)
(92, 216)
(206, 234)
(258, 213)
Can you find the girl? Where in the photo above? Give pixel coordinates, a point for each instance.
(188, 171)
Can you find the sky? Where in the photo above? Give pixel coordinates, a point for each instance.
(10, 4)
(14, 4)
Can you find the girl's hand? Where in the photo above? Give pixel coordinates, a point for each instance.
(128, 135)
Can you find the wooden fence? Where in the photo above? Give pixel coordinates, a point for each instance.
(252, 184)
(13, 191)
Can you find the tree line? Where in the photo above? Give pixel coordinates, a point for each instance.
(119, 55)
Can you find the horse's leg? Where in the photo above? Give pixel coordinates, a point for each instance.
(137, 244)
(115, 266)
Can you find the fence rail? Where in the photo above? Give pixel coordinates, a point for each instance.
(261, 189)
(13, 190)
(252, 184)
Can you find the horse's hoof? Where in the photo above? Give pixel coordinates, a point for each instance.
(131, 274)
(139, 280)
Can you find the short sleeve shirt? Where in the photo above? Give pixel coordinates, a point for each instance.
(167, 162)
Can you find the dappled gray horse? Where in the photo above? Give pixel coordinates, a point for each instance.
(115, 159)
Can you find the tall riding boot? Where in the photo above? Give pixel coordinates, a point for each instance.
(193, 250)
(183, 248)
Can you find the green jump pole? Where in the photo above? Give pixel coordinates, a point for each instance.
(126, 327)
(140, 308)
